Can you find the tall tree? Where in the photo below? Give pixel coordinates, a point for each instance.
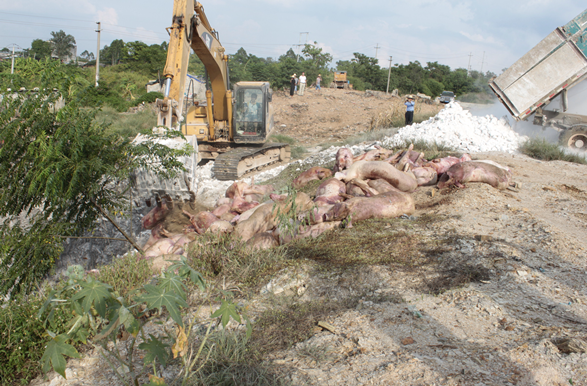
(40, 49)
(62, 44)
(315, 54)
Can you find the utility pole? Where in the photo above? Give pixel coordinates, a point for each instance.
(300, 43)
(469, 66)
(376, 49)
(98, 55)
(388, 75)
(12, 67)
(482, 62)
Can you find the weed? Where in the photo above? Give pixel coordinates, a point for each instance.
(298, 152)
(368, 242)
(282, 138)
(539, 148)
(22, 337)
(126, 274)
(222, 257)
(228, 362)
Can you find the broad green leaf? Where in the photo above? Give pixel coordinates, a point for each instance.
(185, 271)
(157, 297)
(172, 283)
(54, 354)
(125, 317)
(226, 311)
(155, 349)
(133, 328)
(96, 293)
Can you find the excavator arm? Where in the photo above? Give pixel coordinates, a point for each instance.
(191, 29)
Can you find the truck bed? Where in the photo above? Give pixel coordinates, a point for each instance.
(557, 63)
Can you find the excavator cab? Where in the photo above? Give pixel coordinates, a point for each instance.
(252, 113)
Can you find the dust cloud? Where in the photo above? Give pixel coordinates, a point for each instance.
(525, 128)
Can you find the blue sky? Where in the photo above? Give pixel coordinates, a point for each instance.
(496, 33)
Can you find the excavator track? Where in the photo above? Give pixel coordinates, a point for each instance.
(235, 163)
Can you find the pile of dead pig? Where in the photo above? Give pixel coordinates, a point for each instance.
(375, 184)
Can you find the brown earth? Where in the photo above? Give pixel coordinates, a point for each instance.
(333, 115)
(480, 287)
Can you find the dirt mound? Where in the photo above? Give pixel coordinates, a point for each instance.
(332, 115)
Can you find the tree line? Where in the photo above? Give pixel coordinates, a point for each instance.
(130, 65)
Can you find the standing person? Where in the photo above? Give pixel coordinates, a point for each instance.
(318, 80)
(409, 110)
(302, 83)
(292, 85)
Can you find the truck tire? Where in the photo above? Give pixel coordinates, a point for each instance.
(574, 138)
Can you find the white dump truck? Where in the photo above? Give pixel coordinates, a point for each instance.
(547, 71)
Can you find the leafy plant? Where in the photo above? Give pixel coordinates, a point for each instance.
(125, 275)
(66, 169)
(100, 317)
(22, 337)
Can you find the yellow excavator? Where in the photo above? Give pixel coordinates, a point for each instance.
(230, 127)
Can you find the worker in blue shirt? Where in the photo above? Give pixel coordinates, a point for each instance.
(409, 110)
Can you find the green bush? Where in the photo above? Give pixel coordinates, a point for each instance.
(149, 97)
(22, 262)
(23, 338)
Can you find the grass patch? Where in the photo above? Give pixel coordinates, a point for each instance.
(540, 149)
(229, 363)
(281, 138)
(370, 242)
(297, 152)
(127, 124)
(23, 338)
(126, 274)
(222, 258)
(283, 325)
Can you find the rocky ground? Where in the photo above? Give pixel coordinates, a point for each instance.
(500, 297)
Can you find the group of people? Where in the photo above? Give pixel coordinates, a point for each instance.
(302, 83)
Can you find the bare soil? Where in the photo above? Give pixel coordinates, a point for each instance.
(333, 115)
(479, 287)
(508, 286)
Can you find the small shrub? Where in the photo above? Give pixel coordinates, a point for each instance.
(22, 337)
(126, 274)
(149, 97)
(539, 148)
